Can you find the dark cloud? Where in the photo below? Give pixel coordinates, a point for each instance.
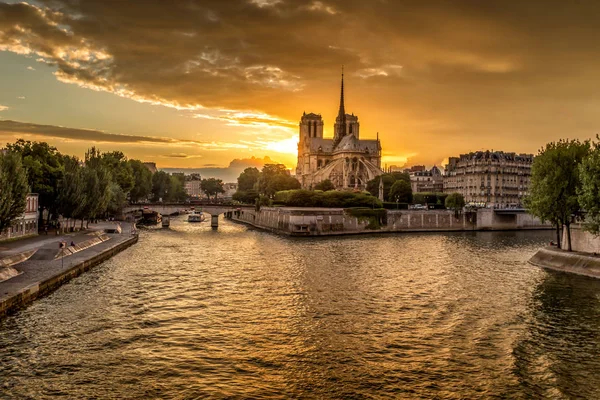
(425, 73)
(15, 127)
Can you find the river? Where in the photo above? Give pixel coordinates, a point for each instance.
(190, 312)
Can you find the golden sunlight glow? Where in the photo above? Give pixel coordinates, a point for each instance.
(287, 146)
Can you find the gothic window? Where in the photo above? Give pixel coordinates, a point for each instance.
(350, 129)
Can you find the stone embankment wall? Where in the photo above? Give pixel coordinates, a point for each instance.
(564, 261)
(39, 288)
(336, 221)
(581, 240)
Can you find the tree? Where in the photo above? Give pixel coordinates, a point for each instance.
(161, 183)
(388, 181)
(70, 189)
(274, 178)
(589, 192)
(246, 196)
(324, 185)
(13, 188)
(43, 164)
(120, 169)
(118, 199)
(176, 190)
(456, 202)
(96, 180)
(142, 181)
(248, 179)
(401, 192)
(212, 186)
(554, 184)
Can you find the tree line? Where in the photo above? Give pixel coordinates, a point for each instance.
(254, 184)
(99, 185)
(565, 186)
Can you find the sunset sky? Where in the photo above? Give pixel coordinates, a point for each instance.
(199, 83)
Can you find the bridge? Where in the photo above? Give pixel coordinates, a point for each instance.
(214, 209)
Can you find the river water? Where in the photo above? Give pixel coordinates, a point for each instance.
(190, 312)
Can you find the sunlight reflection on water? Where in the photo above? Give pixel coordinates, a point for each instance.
(193, 312)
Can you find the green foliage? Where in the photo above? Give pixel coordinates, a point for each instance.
(388, 181)
(97, 181)
(161, 183)
(274, 178)
(248, 179)
(212, 187)
(325, 185)
(388, 205)
(376, 217)
(121, 170)
(13, 188)
(456, 202)
(429, 198)
(44, 166)
(589, 192)
(142, 181)
(70, 190)
(555, 180)
(401, 191)
(246, 196)
(330, 199)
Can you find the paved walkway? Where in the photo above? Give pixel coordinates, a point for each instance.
(53, 240)
(34, 272)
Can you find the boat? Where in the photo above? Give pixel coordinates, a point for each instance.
(166, 221)
(150, 217)
(196, 216)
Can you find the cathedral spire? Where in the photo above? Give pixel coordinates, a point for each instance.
(341, 118)
(342, 111)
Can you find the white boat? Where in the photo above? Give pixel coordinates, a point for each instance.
(196, 216)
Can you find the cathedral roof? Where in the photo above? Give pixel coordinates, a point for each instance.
(326, 145)
(351, 143)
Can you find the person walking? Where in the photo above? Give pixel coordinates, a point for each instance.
(46, 229)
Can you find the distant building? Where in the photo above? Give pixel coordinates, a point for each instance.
(27, 223)
(347, 161)
(490, 178)
(422, 180)
(192, 188)
(416, 168)
(230, 189)
(192, 185)
(151, 166)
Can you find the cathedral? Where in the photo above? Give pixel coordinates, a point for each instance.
(345, 160)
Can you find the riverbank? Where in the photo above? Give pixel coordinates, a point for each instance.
(306, 221)
(567, 261)
(40, 274)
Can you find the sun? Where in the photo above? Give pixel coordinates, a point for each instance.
(286, 146)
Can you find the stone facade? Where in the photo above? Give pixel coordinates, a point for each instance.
(490, 178)
(192, 188)
(347, 161)
(422, 181)
(27, 223)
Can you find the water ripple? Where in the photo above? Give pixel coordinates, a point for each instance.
(235, 313)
